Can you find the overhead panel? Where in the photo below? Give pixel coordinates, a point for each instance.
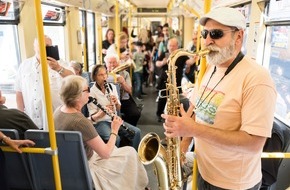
(151, 10)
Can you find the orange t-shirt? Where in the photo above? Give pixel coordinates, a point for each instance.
(243, 100)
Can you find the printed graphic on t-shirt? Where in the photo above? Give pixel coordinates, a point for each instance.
(206, 106)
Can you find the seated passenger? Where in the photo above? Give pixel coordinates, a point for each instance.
(108, 98)
(129, 110)
(78, 69)
(14, 119)
(111, 167)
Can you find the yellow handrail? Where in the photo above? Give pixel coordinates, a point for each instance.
(275, 155)
(47, 93)
(27, 150)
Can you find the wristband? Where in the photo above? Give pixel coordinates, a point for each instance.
(114, 134)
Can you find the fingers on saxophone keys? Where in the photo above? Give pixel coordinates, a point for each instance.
(168, 130)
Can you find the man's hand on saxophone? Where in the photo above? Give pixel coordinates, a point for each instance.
(179, 126)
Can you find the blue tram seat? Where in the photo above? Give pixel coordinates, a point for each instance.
(74, 170)
(17, 173)
(276, 171)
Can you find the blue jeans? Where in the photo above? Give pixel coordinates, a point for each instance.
(104, 130)
(137, 83)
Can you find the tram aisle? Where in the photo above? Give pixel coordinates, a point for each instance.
(148, 123)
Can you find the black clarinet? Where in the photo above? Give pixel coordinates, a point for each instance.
(106, 85)
(94, 101)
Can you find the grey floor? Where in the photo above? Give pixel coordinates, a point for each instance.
(148, 123)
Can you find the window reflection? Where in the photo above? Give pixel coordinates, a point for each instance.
(279, 66)
(10, 53)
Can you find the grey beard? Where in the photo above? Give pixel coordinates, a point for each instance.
(219, 56)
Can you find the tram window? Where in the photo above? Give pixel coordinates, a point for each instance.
(279, 66)
(56, 33)
(10, 53)
(53, 19)
(278, 11)
(88, 21)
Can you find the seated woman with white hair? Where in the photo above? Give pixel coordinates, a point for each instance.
(111, 167)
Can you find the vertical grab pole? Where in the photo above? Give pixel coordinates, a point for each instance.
(100, 37)
(207, 5)
(130, 28)
(117, 20)
(191, 10)
(47, 93)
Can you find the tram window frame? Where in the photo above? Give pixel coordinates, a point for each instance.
(276, 58)
(89, 36)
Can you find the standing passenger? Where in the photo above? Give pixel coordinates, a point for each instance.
(29, 85)
(233, 108)
(111, 167)
(110, 39)
(162, 48)
(161, 84)
(125, 54)
(138, 58)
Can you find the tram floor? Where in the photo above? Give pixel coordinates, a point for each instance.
(148, 123)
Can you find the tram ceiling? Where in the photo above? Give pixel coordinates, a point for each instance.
(187, 8)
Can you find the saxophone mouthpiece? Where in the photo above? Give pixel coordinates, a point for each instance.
(203, 52)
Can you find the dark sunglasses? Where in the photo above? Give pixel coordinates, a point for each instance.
(215, 33)
(87, 90)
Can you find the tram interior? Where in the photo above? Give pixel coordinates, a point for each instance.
(81, 25)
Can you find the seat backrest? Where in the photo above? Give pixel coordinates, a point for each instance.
(283, 177)
(18, 175)
(73, 164)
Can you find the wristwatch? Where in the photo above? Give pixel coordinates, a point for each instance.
(60, 71)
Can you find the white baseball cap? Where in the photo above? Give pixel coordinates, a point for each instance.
(226, 16)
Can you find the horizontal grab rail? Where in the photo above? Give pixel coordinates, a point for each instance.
(31, 150)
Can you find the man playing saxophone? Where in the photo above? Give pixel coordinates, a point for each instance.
(233, 108)
(129, 110)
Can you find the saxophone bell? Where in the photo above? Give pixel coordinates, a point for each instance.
(150, 151)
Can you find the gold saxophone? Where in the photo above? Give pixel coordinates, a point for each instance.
(121, 67)
(167, 161)
(118, 69)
